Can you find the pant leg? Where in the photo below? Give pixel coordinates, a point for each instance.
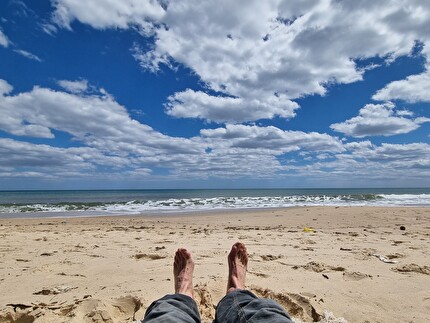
(171, 309)
(244, 306)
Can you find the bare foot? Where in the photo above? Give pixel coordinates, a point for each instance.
(183, 268)
(237, 264)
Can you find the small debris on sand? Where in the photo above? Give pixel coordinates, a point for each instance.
(148, 256)
(55, 290)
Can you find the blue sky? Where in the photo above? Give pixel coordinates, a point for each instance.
(214, 94)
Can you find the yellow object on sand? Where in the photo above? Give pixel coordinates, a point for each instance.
(308, 230)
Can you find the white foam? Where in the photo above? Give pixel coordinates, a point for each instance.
(219, 203)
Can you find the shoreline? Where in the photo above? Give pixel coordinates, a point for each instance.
(67, 269)
(151, 214)
(166, 202)
(176, 213)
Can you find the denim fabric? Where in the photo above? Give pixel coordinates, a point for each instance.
(171, 309)
(237, 306)
(243, 306)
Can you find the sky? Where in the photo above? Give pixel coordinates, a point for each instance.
(103, 94)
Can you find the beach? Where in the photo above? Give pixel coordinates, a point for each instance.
(329, 264)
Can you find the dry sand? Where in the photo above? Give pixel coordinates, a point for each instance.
(109, 269)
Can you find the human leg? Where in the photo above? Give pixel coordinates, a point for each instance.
(243, 306)
(178, 307)
(240, 305)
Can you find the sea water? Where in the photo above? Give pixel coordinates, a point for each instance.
(126, 202)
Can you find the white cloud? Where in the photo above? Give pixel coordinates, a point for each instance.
(149, 60)
(49, 28)
(229, 53)
(23, 159)
(5, 87)
(270, 139)
(192, 104)
(22, 154)
(108, 137)
(404, 113)
(415, 152)
(358, 145)
(96, 120)
(4, 41)
(115, 147)
(378, 120)
(27, 55)
(259, 63)
(108, 14)
(74, 86)
(366, 164)
(285, 51)
(414, 88)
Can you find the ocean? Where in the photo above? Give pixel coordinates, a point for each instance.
(149, 202)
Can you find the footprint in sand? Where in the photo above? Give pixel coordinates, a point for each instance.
(355, 276)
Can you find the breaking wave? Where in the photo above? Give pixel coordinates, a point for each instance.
(220, 203)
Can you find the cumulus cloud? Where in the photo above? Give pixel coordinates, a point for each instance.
(74, 86)
(4, 41)
(414, 88)
(229, 51)
(5, 87)
(258, 65)
(379, 120)
(103, 14)
(22, 154)
(261, 62)
(197, 104)
(110, 142)
(364, 163)
(106, 136)
(23, 160)
(401, 153)
(96, 120)
(287, 49)
(404, 155)
(271, 139)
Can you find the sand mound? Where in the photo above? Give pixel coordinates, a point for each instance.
(203, 298)
(123, 309)
(413, 268)
(318, 267)
(148, 256)
(355, 275)
(327, 317)
(296, 305)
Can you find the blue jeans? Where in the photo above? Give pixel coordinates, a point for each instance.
(236, 306)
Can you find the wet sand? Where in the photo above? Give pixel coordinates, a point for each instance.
(329, 264)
